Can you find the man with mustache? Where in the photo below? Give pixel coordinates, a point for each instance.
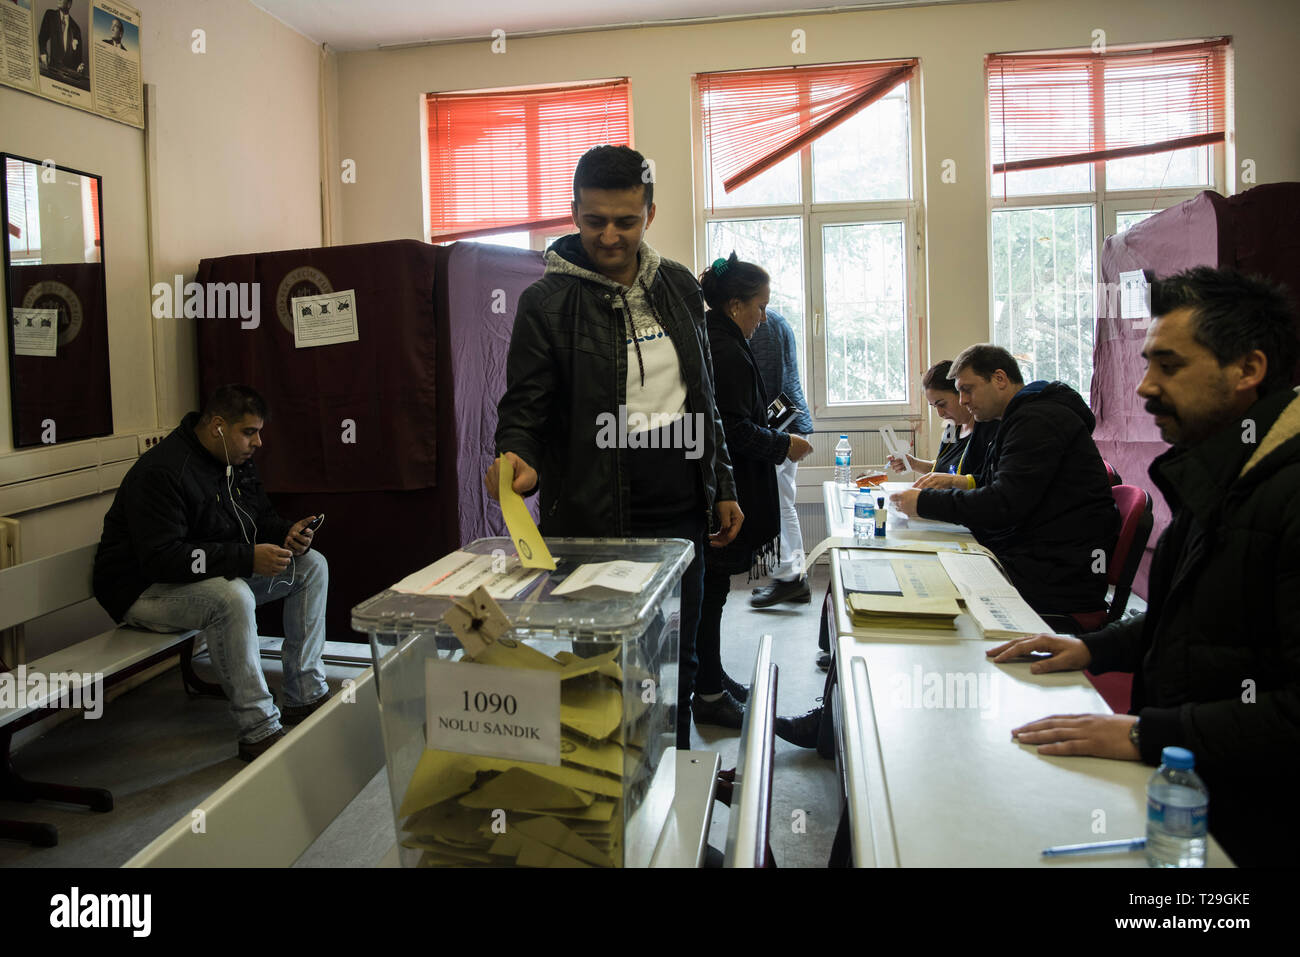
(1216, 656)
(613, 327)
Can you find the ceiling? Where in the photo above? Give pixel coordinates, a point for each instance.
(368, 24)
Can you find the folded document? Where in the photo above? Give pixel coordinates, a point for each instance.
(992, 601)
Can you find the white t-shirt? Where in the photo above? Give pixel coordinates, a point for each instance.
(661, 400)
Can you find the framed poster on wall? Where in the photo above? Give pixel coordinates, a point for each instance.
(83, 53)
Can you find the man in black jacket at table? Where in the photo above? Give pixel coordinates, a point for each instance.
(1042, 503)
(1216, 656)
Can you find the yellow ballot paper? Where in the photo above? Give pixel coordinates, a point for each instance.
(549, 831)
(575, 667)
(533, 552)
(603, 756)
(593, 709)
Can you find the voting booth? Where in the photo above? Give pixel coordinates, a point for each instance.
(529, 715)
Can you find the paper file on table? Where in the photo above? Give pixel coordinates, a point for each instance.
(992, 601)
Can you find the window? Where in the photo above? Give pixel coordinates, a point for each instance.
(519, 239)
(1125, 221)
(24, 226)
(499, 163)
(821, 169)
(1084, 145)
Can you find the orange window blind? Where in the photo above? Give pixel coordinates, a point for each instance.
(1058, 109)
(504, 160)
(753, 119)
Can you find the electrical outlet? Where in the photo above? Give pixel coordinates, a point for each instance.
(148, 440)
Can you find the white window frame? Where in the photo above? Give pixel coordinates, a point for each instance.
(1105, 203)
(813, 216)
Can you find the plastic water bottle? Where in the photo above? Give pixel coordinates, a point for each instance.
(864, 518)
(843, 470)
(1176, 812)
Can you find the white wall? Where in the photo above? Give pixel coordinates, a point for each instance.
(380, 125)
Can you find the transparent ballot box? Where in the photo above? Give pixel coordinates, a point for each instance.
(541, 735)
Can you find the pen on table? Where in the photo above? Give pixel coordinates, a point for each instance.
(1129, 844)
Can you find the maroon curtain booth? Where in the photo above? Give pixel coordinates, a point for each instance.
(388, 435)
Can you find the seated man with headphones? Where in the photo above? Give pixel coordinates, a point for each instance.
(191, 541)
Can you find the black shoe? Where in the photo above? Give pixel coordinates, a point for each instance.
(800, 731)
(297, 713)
(735, 688)
(794, 591)
(824, 660)
(247, 752)
(726, 712)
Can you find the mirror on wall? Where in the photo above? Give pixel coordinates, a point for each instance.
(56, 310)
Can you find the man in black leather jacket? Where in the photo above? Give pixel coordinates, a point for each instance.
(1216, 656)
(192, 541)
(609, 348)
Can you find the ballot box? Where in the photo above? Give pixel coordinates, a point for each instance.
(537, 730)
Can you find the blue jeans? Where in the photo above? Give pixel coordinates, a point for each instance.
(224, 611)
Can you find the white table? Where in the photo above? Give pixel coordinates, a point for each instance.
(899, 530)
(837, 505)
(930, 773)
(935, 780)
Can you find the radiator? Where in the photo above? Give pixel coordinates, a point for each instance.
(868, 448)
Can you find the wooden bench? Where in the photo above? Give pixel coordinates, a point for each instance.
(37, 588)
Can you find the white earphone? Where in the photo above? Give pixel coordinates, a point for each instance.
(293, 574)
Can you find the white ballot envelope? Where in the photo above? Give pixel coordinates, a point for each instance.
(892, 444)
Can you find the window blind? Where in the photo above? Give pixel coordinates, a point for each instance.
(753, 119)
(504, 160)
(1058, 109)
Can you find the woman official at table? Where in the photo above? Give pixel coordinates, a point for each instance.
(737, 294)
(961, 455)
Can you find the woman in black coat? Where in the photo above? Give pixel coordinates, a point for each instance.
(737, 294)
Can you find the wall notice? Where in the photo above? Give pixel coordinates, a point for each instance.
(83, 53)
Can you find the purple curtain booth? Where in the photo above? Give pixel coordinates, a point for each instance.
(71, 388)
(1257, 231)
(480, 285)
